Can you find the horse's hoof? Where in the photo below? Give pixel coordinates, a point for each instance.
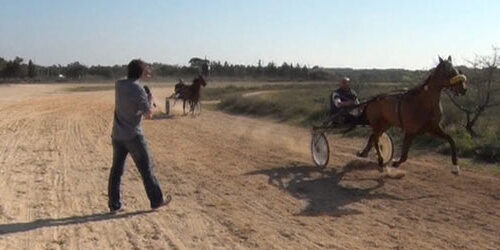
(388, 169)
(455, 170)
(394, 173)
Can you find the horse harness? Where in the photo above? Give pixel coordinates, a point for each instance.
(398, 108)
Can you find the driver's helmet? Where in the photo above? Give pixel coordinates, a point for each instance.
(345, 80)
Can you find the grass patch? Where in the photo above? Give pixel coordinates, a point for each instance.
(298, 106)
(210, 94)
(221, 93)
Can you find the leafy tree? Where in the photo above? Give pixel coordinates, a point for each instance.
(13, 68)
(2, 64)
(31, 69)
(75, 70)
(270, 69)
(101, 71)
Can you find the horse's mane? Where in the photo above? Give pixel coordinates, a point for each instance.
(418, 88)
(399, 92)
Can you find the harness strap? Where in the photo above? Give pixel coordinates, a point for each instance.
(398, 110)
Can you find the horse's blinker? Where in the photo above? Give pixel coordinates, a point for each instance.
(460, 78)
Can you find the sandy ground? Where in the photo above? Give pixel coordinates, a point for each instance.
(236, 182)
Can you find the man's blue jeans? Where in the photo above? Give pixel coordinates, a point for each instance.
(139, 151)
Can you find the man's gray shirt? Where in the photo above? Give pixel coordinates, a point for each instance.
(131, 102)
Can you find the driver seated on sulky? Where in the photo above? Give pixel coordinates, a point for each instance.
(342, 98)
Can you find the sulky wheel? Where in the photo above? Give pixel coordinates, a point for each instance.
(386, 147)
(320, 150)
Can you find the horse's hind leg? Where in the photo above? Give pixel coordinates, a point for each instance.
(404, 150)
(368, 147)
(371, 142)
(379, 155)
(438, 132)
(377, 132)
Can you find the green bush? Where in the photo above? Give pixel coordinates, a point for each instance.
(488, 148)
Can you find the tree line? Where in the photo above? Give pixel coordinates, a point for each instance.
(19, 69)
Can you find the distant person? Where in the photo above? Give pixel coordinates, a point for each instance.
(341, 98)
(131, 104)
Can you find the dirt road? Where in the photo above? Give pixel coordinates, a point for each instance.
(236, 182)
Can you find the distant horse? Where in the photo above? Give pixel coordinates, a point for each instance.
(190, 93)
(416, 111)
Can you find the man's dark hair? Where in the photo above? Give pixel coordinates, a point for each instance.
(135, 69)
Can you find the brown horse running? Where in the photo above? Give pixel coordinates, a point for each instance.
(416, 111)
(190, 93)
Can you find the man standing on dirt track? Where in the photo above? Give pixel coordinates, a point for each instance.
(131, 103)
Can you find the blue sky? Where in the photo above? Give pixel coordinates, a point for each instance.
(359, 34)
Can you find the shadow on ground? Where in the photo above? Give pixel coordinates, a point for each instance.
(325, 190)
(162, 116)
(41, 223)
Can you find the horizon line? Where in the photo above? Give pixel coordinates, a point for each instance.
(25, 60)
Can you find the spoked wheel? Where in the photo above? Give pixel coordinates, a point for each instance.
(386, 147)
(320, 150)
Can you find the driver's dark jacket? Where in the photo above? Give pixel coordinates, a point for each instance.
(344, 95)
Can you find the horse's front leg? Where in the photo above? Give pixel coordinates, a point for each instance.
(404, 150)
(438, 132)
(184, 107)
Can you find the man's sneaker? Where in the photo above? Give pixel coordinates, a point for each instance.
(115, 210)
(165, 202)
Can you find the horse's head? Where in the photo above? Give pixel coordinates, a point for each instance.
(200, 80)
(449, 77)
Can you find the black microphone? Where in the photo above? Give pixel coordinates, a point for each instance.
(148, 91)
